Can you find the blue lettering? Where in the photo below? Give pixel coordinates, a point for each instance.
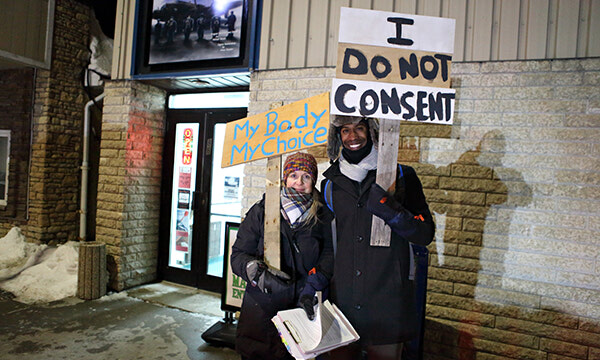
(279, 142)
(305, 117)
(317, 117)
(321, 132)
(263, 146)
(236, 127)
(295, 143)
(234, 148)
(253, 130)
(288, 126)
(304, 139)
(271, 123)
(252, 151)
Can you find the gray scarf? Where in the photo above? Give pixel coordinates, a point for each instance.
(358, 172)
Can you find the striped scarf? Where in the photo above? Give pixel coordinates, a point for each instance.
(294, 206)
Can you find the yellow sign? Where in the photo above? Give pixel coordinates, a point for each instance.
(292, 127)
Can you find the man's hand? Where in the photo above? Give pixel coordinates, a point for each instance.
(266, 279)
(382, 204)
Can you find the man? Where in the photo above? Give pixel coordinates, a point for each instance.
(230, 25)
(371, 285)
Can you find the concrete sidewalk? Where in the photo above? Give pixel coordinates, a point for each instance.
(150, 322)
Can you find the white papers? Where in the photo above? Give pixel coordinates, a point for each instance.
(306, 339)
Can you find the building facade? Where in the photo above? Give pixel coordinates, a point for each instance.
(513, 183)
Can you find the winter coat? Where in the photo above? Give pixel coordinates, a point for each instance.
(371, 284)
(257, 337)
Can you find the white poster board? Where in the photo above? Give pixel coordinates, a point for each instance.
(394, 66)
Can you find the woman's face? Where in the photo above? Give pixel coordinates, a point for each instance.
(301, 181)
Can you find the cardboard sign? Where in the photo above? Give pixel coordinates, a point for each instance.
(378, 49)
(292, 127)
(395, 30)
(393, 101)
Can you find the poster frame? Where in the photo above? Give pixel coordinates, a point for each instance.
(226, 304)
(143, 42)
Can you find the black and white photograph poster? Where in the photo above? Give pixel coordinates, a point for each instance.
(195, 30)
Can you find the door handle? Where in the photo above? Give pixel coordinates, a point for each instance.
(198, 200)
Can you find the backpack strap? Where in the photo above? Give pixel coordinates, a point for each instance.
(328, 195)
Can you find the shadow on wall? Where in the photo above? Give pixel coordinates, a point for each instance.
(468, 310)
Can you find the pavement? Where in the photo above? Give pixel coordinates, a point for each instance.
(150, 322)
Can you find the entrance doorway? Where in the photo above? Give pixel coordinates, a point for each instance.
(198, 197)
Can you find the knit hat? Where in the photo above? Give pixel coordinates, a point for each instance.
(334, 141)
(300, 161)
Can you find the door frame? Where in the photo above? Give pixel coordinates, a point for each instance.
(197, 275)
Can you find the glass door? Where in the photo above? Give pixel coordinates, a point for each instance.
(225, 201)
(198, 197)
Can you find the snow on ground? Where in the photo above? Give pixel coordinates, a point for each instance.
(37, 273)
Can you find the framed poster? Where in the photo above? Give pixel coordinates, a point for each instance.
(193, 35)
(235, 286)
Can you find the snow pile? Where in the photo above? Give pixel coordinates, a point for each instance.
(53, 278)
(16, 255)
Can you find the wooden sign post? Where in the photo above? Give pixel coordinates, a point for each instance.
(283, 129)
(272, 248)
(393, 67)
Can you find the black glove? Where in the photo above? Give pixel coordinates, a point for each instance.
(382, 204)
(268, 280)
(308, 302)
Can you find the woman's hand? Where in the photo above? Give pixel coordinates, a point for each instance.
(268, 280)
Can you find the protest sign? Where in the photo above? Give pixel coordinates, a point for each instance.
(292, 127)
(394, 66)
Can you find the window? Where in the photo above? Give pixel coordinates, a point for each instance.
(4, 157)
(209, 100)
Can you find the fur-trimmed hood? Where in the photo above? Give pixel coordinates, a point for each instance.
(334, 141)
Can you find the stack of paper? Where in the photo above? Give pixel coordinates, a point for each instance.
(305, 339)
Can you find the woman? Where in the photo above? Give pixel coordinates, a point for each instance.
(302, 239)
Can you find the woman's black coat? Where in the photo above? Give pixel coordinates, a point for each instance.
(371, 284)
(257, 337)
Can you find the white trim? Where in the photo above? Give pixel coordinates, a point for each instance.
(6, 133)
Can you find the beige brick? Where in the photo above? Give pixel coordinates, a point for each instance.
(438, 286)
(278, 84)
(563, 348)
(468, 317)
(594, 353)
(548, 331)
(458, 276)
(466, 68)
(592, 78)
(501, 296)
(448, 249)
(508, 350)
(516, 119)
(473, 185)
(585, 309)
(590, 325)
(524, 93)
(577, 92)
(462, 237)
(575, 235)
(455, 197)
(475, 93)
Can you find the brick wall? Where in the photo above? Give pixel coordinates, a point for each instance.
(133, 126)
(515, 187)
(57, 132)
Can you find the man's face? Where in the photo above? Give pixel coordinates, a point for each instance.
(354, 136)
